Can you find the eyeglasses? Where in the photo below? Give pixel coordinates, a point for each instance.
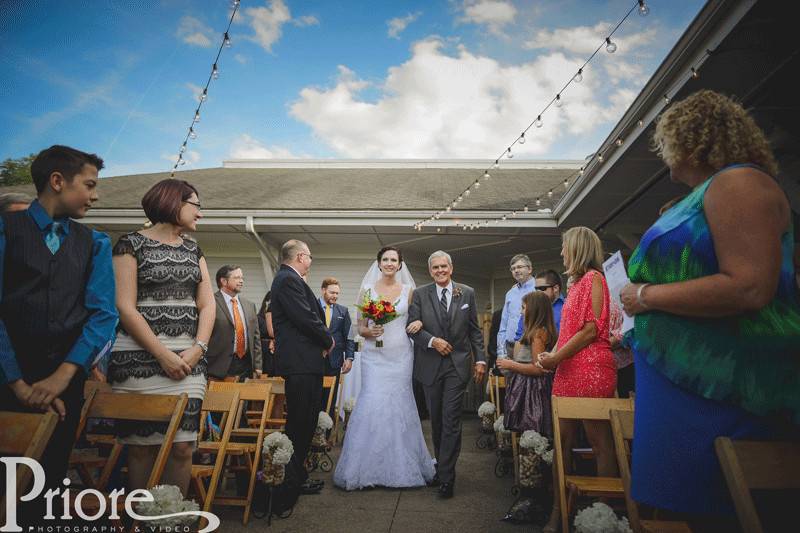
(544, 287)
(519, 267)
(307, 254)
(196, 204)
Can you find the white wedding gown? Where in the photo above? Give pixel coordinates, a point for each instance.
(383, 445)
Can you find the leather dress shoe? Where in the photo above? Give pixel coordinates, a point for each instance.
(311, 486)
(445, 490)
(435, 482)
(314, 482)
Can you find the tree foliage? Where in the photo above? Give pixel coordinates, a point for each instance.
(16, 171)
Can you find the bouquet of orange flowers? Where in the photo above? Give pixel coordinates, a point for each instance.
(379, 311)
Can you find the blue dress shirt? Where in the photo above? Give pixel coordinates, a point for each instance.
(99, 331)
(512, 310)
(557, 305)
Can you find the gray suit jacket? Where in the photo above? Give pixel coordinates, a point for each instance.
(220, 346)
(464, 332)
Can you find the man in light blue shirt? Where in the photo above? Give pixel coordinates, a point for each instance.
(548, 282)
(522, 272)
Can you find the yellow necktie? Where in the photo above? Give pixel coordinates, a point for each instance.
(328, 315)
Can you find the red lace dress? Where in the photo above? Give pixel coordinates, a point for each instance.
(592, 372)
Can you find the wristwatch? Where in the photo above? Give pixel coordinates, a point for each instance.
(203, 346)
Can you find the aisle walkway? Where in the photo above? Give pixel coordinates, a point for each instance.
(480, 501)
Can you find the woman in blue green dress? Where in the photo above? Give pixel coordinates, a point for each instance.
(717, 329)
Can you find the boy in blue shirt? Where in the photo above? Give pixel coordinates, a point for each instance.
(57, 309)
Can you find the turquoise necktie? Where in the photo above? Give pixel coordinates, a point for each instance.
(53, 238)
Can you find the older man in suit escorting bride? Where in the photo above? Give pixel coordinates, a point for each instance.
(450, 330)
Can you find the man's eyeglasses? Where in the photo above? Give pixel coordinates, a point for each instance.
(544, 287)
(307, 255)
(196, 204)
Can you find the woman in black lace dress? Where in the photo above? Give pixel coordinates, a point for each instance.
(166, 310)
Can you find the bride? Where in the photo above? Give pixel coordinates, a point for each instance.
(383, 445)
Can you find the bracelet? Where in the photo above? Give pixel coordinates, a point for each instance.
(639, 292)
(203, 346)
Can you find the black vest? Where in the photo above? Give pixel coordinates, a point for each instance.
(43, 294)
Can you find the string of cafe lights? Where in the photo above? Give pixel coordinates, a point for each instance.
(557, 101)
(595, 158)
(191, 134)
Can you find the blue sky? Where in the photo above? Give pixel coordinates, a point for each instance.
(321, 79)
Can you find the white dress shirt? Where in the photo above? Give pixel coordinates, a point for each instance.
(228, 300)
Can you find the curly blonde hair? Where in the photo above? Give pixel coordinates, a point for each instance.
(710, 129)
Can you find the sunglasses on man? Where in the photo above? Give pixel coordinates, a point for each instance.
(544, 287)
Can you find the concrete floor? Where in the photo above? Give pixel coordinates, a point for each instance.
(480, 500)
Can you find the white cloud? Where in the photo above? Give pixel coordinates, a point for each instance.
(190, 156)
(492, 13)
(460, 105)
(267, 22)
(399, 24)
(241, 58)
(305, 20)
(193, 31)
(585, 39)
(196, 90)
(247, 147)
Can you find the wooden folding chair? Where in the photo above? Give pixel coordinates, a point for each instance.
(583, 409)
(24, 435)
(329, 383)
(754, 465)
(496, 384)
(167, 409)
(215, 401)
(252, 438)
(84, 461)
(276, 420)
(622, 429)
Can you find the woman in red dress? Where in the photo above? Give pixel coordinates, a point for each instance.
(583, 360)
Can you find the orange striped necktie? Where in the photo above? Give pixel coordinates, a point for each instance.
(239, 328)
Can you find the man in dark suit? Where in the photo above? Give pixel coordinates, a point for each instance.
(450, 332)
(337, 320)
(302, 342)
(234, 349)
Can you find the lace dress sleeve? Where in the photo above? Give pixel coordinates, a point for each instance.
(124, 246)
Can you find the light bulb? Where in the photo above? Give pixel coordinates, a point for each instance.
(477, 184)
(559, 102)
(436, 216)
(453, 205)
(521, 139)
(496, 163)
(600, 157)
(460, 198)
(666, 99)
(618, 142)
(640, 123)
(486, 175)
(525, 208)
(538, 122)
(549, 194)
(509, 154)
(192, 134)
(513, 213)
(611, 46)
(496, 221)
(438, 230)
(504, 217)
(181, 162)
(695, 74)
(235, 3)
(215, 72)
(643, 9)
(197, 116)
(227, 40)
(583, 169)
(579, 76)
(467, 192)
(566, 184)
(183, 147)
(538, 202)
(204, 95)
(464, 227)
(448, 208)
